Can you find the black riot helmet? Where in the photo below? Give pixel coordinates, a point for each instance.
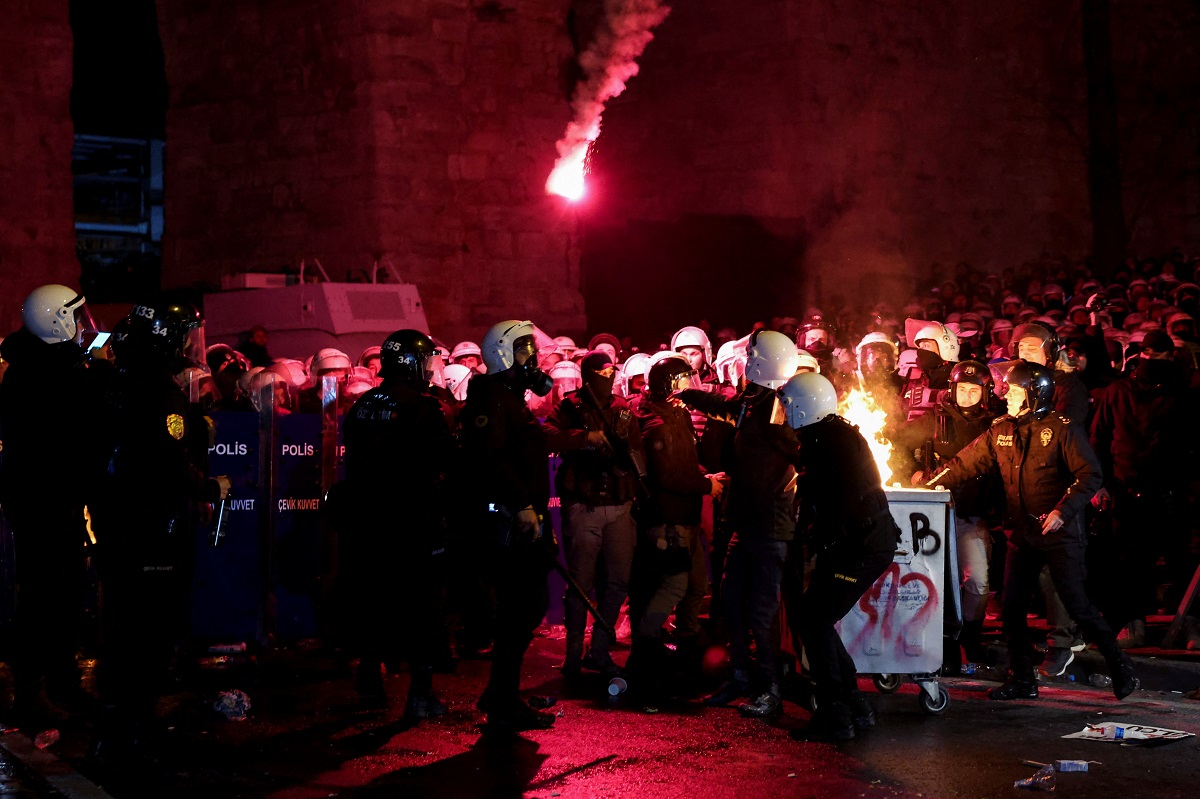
(975, 373)
(166, 332)
(407, 355)
(668, 376)
(1038, 383)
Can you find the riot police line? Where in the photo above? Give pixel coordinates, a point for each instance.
(473, 467)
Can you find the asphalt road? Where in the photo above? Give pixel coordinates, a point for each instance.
(306, 739)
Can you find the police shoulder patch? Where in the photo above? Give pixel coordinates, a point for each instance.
(175, 426)
(481, 421)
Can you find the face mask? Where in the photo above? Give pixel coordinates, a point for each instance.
(1152, 371)
(538, 382)
(928, 361)
(600, 385)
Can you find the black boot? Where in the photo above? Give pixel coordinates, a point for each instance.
(971, 640)
(368, 684)
(1124, 681)
(422, 702)
(1015, 688)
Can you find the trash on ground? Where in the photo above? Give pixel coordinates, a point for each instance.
(1043, 780)
(1072, 765)
(45, 738)
(225, 649)
(232, 704)
(1131, 734)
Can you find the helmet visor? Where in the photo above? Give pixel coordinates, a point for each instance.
(86, 328)
(778, 411)
(684, 381)
(525, 352)
(194, 349)
(435, 370)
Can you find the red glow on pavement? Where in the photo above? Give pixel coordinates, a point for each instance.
(567, 177)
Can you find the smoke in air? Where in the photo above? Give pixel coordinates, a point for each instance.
(608, 64)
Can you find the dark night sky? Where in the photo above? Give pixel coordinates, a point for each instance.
(120, 86)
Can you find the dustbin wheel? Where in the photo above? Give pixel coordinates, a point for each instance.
(935, 707)
(887, 683)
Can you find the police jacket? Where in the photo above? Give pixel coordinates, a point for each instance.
(762, 485)
(1046, 464)
(399, 449)
(151, 452)
(930, 441)
(589, 475)
(504, 447)
(840, 496)
(44, 401)
(1145, 431)
(677, 482)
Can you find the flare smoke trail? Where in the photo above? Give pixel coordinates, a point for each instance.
(608, 64)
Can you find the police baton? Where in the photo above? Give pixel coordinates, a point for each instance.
(574, 588)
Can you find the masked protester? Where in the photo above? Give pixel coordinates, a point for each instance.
(602, 463)
(670, 523)
(1145, 433)
(927, 444)
(46, 384)
(1050, 473)
(849, 530)
(506, 490)
(149, 474)
(399, 449)
(761, 493)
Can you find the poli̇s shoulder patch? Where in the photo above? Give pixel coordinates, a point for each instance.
(481, 420)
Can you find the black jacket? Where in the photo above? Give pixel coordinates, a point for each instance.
(841, 500)
(1071, 396)
(504, 448)
(150, 457)
(930, 441)
(1046, 464)
(762, 485)
(677, 482)
(47, 408)
(589, 475)
(1145, 432)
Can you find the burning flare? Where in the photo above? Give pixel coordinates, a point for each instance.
(859, 409)
(608, 64)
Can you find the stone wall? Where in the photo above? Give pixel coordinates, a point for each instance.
(37, 233)
(808, 152)
(418, 131)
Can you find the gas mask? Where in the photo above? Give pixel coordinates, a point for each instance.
(526, 367)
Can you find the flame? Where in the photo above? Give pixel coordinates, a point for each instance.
(567, 178)
(859, 409)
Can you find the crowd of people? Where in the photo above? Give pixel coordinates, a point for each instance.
(1058, 409)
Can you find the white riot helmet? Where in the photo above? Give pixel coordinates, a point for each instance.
(658, 358)
(634, 366)
(457, 377)
(807, 399)
(731, 361)
(692, 337)
(947, 342)
(498, 344)
(328, 359)
(771, 359)
(807, 361)
(52, 313)
(465, 348)
(566, 346)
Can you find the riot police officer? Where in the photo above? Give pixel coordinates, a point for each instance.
(762, 489)
(1050, 474)
(849, 530)
(399, 450)
(931, 440)
(149, 462)
(507, 490)
(46, 384)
